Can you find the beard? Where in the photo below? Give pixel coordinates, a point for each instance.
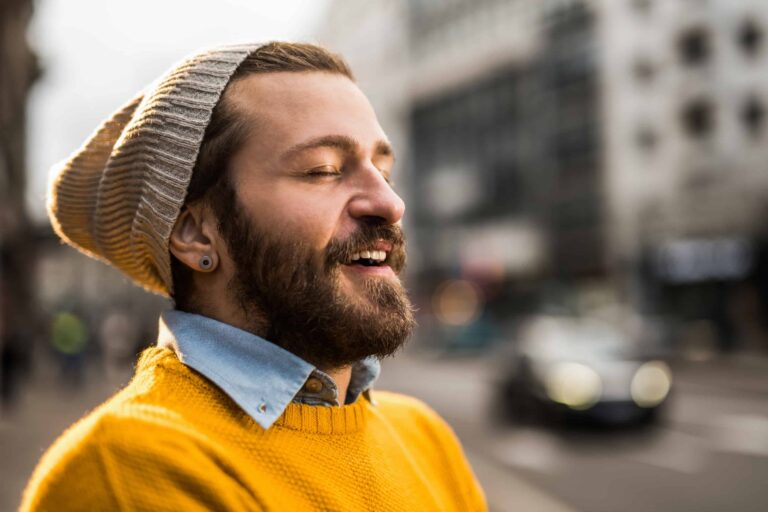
(294, 297)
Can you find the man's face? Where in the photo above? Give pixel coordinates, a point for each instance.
(314, 236)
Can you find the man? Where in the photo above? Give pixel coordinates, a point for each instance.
(251, 185)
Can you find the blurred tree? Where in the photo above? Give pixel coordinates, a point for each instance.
(18, 71)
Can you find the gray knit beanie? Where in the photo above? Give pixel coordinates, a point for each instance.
(117, 198)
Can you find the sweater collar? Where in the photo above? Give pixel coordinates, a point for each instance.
(259, 376)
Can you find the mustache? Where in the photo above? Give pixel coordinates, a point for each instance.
(341, 251)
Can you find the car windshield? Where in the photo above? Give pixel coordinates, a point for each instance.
(575, 338)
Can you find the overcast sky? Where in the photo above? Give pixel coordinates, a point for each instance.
(97, 54)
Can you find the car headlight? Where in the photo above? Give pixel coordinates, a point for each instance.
(651, 384)
(573, 384)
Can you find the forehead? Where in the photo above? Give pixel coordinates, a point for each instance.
(291, 107)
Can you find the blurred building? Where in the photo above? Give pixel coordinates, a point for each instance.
(685, 98)
(18, 71)
(569, 146)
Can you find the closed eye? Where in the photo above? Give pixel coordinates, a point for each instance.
(324, 170)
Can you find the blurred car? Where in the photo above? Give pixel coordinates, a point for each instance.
(576, 367)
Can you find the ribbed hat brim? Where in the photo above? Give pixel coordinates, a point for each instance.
(117, 198)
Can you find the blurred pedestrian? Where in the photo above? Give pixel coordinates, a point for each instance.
(69, 340)
(268, 217)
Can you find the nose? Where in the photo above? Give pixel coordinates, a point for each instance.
(375, 200)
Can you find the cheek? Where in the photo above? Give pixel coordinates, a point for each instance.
(313, 220)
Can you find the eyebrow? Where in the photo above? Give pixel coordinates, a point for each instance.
(342, 142)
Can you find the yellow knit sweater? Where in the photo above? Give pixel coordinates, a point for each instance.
(171, 440)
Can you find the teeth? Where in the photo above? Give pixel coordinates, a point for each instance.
(378, 255)
(370, 255)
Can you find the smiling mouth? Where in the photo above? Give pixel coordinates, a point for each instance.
(379, 257)
(369, 258)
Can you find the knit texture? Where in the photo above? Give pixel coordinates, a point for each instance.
(173, 441)
(117, 198)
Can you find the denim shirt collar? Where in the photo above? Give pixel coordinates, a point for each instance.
(259, 376)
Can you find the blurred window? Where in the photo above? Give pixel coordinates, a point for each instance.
(698, 118)
(642, 6)
(695, 46)
(750, 37)
(574, 142)
(643, 70)
(473, 129)
(646, 138)
(753, 115)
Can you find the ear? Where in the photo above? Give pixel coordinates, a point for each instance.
(194, 237)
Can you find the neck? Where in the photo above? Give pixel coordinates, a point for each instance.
(220, 306)
(341, 376)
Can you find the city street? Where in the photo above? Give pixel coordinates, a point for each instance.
(710, 453)
(582, 181)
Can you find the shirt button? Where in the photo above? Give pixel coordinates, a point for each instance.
(313, 385)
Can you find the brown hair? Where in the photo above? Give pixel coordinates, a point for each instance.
(226, 132)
